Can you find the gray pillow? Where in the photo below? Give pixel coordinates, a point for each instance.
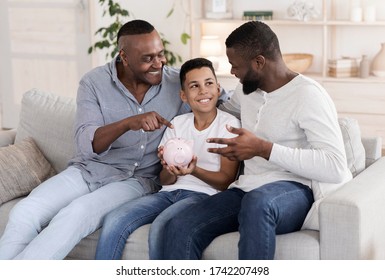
(355, 151)
(49, 120)
(22, 168)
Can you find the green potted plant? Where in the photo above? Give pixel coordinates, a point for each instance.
(109, 33)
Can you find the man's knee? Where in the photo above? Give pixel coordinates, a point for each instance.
(257, 200)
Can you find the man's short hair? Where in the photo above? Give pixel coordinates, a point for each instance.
(254, 38)
(135, 27)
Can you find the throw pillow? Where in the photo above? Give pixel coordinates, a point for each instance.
(49, 120)
(355, 151)
(22, 168)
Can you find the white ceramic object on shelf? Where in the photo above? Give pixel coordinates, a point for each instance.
(355, 10)
(218, 9)
(303, 11)
(378, 63)
(364, 67)
(370, 13)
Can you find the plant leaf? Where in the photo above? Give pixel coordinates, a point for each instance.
(184, 37)
(99, 30)
(114, 52)
(170, 12)
(109, 32)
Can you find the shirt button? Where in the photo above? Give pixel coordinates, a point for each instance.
(136, 164)
(140, 109)
(142, 147)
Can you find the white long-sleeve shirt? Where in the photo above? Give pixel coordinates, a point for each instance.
(301, 121)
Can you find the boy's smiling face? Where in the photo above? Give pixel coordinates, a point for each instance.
(200, 90)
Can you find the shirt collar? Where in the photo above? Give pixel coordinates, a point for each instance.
(112, 67)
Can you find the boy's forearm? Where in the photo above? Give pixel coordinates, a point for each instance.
(166, 178)
(218, 180)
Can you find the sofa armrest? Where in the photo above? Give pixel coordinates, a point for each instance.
(7, 137)
(373, 149)
(352, 218)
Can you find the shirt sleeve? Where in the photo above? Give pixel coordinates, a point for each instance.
(88, 119)
(233, 122)
(324, 159)
(232, 106)
(168, 134)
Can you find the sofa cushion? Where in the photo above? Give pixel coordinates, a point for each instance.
(49, 120)
(355, 151)
(297, 245)
(355, 156)
(5, 208)
(7, 137)
(22, 168)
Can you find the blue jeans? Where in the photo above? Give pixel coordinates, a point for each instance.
(157, 209)
(275, 208)
(56, 215)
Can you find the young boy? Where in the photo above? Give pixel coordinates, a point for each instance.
(205, 175)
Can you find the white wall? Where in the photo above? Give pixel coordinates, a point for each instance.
(43, 44)
(155, 12)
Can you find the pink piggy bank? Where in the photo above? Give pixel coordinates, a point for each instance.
(178, 152)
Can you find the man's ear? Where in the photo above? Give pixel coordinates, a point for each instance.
(259, 61)
(182, 95)
(123, 57)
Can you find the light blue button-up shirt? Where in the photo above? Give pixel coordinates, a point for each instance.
(102, 99)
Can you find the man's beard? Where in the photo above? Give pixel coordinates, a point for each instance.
(249, 86)
(249, 83)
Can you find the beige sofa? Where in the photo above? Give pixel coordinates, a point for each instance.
(351, 219)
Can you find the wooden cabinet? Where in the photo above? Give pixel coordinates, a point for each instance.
(331, 35)
(362, 100)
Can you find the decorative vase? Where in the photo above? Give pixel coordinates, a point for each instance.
(364, 67)
(378, 64)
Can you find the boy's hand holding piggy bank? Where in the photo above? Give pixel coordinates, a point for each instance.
(177, 153)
